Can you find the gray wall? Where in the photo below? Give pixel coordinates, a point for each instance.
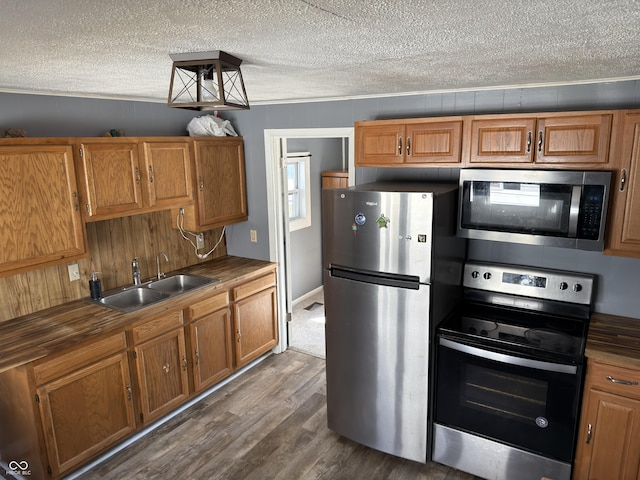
(306, 243)
(61, 116)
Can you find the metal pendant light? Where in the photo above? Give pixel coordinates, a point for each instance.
(207, 81)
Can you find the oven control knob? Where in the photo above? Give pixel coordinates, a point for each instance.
(577, 287)
(487, 275)
(563, 285)
(475, 274)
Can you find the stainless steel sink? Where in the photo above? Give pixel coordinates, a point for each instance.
(132, 299)
(180, 283)
(140, 296)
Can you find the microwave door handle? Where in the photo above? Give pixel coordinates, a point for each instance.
(503, 358)
(574, 211)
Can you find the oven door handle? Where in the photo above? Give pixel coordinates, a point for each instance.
(502, 358)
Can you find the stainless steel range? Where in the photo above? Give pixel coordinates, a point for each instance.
(509, 372)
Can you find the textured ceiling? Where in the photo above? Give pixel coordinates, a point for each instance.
(294, 50)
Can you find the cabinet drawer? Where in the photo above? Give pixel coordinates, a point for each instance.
(216, 302)
(157, 326)
(253, 286)
(598, 377)
(76, 359)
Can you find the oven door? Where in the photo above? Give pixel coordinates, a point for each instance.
(529, 404)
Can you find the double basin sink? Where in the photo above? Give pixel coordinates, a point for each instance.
(133, 298)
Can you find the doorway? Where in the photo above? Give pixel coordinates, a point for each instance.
(276, 148)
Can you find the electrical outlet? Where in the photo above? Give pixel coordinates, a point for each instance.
(181, 211)
(200, 240)
(74, 272)
(254, 236)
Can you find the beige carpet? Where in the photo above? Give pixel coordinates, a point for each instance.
(306, 329)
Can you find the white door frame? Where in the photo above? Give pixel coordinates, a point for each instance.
(274, 139)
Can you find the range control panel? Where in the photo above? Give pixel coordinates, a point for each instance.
(534, 282)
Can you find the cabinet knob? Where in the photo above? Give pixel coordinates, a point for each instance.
(129, 395)
(184, 363)
(399, 146)
(150, 174)
(528, 142)
(197, 357)
(137, 175)
(166, 368)
(408, 146)
(201, 182)
(589, 431)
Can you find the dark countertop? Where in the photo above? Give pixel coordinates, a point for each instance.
(614, 340)
(31, 337)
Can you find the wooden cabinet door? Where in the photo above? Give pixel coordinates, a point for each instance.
(624, 225)
(574, 139)
(335, 179)
(221, 184)
(255, 323)
(212, 354)
(161, 365)
(435, 142)
(609, 438)
(379, 144)
(168, 173)
(39, 208)
(86, 411)
(503, 140)
(112, 179)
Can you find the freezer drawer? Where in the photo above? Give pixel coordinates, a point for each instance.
(377, 340)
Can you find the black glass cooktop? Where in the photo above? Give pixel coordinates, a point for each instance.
(538, 335)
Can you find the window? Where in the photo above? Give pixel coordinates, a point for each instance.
(299, 190)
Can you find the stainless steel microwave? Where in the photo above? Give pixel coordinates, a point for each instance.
(536, 207)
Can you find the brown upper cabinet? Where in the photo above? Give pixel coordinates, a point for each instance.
(220, 193)
(133, 175)
(168, 172)
(409, 143)
(39, 207)
(624, 212)
(563, 138)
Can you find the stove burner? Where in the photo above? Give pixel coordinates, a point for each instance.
(550, 335)
(551, 340)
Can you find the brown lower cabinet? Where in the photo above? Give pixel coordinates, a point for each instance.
(210, 342)
(255, 319)
(160, 358)
(85, 402)
(68, 408)
(608, 445)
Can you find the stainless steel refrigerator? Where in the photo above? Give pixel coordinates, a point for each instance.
(392, 271)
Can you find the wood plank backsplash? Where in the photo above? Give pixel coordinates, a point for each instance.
(112, 246)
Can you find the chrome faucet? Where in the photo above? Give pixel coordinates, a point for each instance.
(160, 272)
(135, 271)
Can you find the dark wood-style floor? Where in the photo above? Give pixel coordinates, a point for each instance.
(269, 423)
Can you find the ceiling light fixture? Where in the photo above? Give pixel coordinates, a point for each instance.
(207, 81)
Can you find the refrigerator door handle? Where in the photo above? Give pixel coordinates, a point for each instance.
(378, 278)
